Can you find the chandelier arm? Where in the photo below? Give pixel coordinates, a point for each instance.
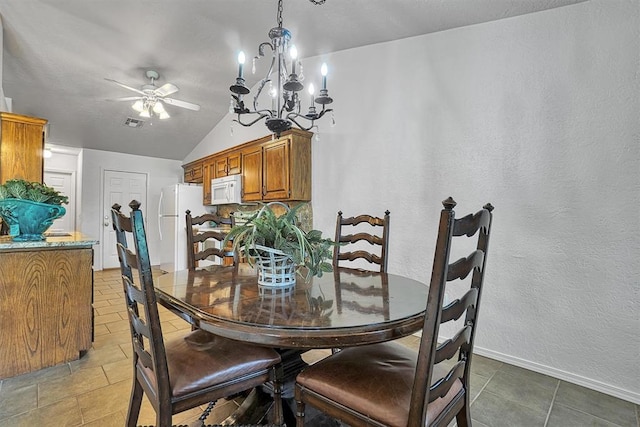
(289, 117)
(262, 83)
(262, 116)
(261, 49)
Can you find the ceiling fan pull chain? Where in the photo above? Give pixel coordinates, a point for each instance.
(317, 2)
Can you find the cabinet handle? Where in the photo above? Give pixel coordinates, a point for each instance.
(264, 190)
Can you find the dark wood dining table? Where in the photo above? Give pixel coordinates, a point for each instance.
(340, 309)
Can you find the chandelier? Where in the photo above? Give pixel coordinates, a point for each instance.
(284, 88)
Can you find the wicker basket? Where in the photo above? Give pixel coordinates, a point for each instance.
(275, 268)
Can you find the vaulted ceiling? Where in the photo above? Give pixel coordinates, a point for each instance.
(58, 53)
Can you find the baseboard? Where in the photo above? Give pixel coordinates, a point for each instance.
(629, 396)
(592, 384)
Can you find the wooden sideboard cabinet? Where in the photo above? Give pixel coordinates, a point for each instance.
(21, 147)
(46, 308)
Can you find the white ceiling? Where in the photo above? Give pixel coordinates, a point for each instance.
(57, 54)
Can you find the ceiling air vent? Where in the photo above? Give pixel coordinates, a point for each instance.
(133, 123)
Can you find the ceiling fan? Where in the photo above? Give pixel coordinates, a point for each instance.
(150, 99)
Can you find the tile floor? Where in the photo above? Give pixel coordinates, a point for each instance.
(94, 391)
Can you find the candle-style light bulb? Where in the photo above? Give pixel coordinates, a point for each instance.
(241, 59)
(274, 95)
(311, 92)
(323, 71)
(293, 52)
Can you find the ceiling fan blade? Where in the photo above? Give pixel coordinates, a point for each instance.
(126, 98)
(165, 89)
(125, 86)
(183, 104)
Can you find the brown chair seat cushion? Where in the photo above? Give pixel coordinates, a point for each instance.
(374, 380)
(200, 359)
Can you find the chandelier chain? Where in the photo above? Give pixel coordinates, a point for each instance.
(279, 13)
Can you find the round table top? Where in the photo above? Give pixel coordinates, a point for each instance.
(342, 308)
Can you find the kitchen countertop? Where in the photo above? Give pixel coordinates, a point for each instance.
(54, 240)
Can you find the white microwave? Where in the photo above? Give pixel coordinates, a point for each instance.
(226, 190)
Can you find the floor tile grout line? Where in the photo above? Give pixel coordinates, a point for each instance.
(485, 385)
(553, 401)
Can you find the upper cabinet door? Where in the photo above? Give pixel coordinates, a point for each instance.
(21, 147)
(193, 172)
(275, 170)
(228, 165)
(252, 174)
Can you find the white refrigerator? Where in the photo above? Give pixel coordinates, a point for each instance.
(174, 202)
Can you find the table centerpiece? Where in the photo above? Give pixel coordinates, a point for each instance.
(279, 247)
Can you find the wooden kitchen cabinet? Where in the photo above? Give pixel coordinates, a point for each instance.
(252, 174)
(46, 312)
(193, 172)
(278, 169)
(271, 169)
(208, 172)
(230, 164)
(21, 147)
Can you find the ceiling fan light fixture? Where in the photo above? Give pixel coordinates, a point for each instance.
(145, 113)
(138, 106)
(158, 108)
(163, 115)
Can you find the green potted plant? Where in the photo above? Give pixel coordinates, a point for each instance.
(280, 247)
(29, 208)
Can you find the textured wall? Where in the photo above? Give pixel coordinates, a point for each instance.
(537, 114)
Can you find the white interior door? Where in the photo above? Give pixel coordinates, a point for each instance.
(65, 183)
(121, 188)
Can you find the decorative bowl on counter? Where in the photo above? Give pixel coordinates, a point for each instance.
(28, 220)
(29, 208)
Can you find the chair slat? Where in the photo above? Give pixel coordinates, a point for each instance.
(441, 387)
(354, 238)
(457, 308)
(352, 256)
(470, 224)
(449, 348)
(462, 267)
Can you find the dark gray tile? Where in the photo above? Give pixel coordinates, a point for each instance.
(598, 404)
(530, 376)
(563, 416)
(496, 411)
(518, 389)
(477, 383)
(484, 366)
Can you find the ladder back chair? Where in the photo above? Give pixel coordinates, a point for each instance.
(189, 370)
(347, 249)
(196, 250)
(357, 385)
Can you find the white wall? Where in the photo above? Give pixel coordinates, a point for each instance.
(160, 172)
(67, 159)
(538, 115)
